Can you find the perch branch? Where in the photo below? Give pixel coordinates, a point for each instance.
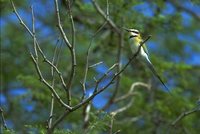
(100, 90)
(184, 114)
(87, 59)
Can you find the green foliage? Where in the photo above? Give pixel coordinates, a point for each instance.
(172, 47)
(7, 131)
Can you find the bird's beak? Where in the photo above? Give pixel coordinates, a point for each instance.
(126, 29)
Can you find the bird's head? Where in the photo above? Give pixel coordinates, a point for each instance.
(132, 32)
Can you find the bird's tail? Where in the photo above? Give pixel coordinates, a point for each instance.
(151, 67)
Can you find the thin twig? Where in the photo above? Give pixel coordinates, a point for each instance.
(20, 20)
(3, 119)
(53, 82)
(38, 46)
(51, 112)
(120, 34)
(104, 76)
(123, 108)
(96, 64)
(86, 114)
(114, 77)
(119, 53)
(98, 91)
(48, 85)
(114, 113)
(34, 37)
(87, 59)
(111, 124)
(184, 114)
(110, 22)
(71, 48)
(72, 51)
(60, 26)
(131, 91)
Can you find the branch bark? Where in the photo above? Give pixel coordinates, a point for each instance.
(35, 59)
(106, 17)
(98, 91)
(3, 119)
(184, 114)
(70, 46)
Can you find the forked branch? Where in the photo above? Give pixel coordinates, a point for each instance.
(98, 91)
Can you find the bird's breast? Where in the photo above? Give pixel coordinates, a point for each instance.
(134, 45)
(134, 48)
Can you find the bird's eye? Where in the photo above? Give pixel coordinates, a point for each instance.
(132, 36)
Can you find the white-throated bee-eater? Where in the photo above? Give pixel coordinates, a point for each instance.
(136, 40)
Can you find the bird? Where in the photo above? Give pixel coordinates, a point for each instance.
(143, 55)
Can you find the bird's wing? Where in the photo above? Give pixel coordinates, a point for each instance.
(151, 67)
(145, 48)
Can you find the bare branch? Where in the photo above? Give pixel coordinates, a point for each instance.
(3, 119)
(131, 91)
(73, 53)
(84, 101)
(60, 26)
(20, 20)
(96, 64)
(34, 37)
(53, 82)
(122, 109)
(38, 46)
(51, 112)
(119, 53)
(70, 46)
(96, 92)
(87, 59)
(106, 17)
(35, 61)
(114, 77)
(72, 23)
(48, 85)
(184, 114)
(86, 114)
(104, 76)
(111, 123)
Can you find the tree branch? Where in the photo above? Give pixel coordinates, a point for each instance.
(87, 59)
(184, 114)
(96, 91)
(53, 82)
(70, 46)
(120, 34)
(131, 91)
(35, 60)
(3, 119)
(119, 53)
(106, 17)
(48, 85)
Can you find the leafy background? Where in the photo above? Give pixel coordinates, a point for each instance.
(174, 50)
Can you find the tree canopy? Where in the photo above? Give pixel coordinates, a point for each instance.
(74, 72)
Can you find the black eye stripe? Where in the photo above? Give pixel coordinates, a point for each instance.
(132, 36)
(135, 32)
